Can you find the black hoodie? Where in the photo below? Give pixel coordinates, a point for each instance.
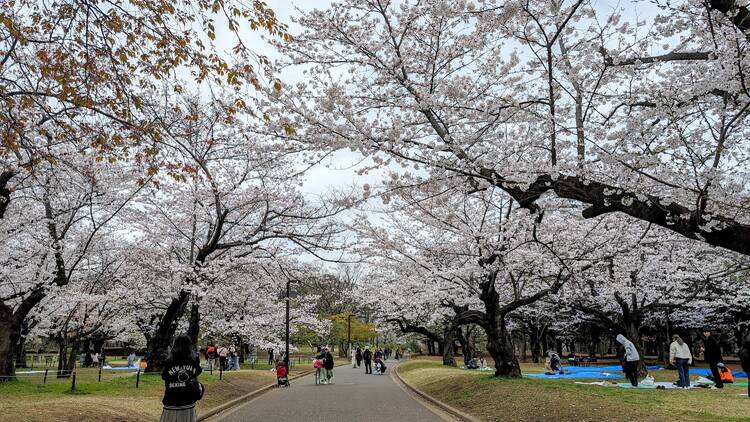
(182, 389)
(745, 356)
(711, 350)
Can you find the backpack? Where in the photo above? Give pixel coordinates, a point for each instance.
(317, 363)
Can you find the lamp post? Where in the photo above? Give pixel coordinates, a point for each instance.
(286, 354)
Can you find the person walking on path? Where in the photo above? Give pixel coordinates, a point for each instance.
(745, 359)
(358, 356)
(367, 356)
(680, 356)
(326, 370)
(328, 365)
(270, 356)
(181, 387)
(223, 353)
(211, 355)
(631, 359)
(712, 356)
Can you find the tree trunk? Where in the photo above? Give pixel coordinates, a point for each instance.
(21, 351)
(595, 335)
(164, 333)
(195, 322)
(535, 343)
(500, 347)
(449, 332)
(468, 347)
(62, 357)
(10, 333)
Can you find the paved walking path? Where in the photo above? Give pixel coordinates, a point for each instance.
(353, 396)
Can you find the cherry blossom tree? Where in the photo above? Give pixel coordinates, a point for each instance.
(536, 97)
(64, 212)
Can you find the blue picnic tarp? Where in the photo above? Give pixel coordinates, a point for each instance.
(593, 372)
(615, 371)
(706, 372)
(581, 374)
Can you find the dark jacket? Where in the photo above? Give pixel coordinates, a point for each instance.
(328, 362)
(711, 350)
(367, 355)
(182, 389)
(745, 357)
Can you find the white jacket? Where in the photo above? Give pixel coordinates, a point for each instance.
(631, 353)
(680, 351)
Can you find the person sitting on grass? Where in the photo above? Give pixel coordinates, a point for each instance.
(555, 364)
(181, 386)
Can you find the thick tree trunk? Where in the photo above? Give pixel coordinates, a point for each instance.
(194, 325)
(449, 332)
(164, 333)
(10, 333)
(500, 347)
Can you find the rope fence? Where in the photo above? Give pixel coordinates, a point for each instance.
(47, 373)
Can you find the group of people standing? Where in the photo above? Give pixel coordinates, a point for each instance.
(681, 358)
(324, 363)
(226, 358)
(89, 359)
(369, 358)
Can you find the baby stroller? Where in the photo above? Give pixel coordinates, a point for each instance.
(282, 375)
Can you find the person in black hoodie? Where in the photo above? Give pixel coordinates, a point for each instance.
(367, 355)
(712, 356)
(745, 360)
(181, 387)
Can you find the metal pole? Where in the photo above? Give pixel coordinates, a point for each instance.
(45, 375)
(286, 355)
(138, 378)
(100, 374)
(73, 384)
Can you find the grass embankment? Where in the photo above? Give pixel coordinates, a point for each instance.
(115, 398)
(528, 399)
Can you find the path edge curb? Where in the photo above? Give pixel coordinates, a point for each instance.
(247, 396)
(463, 416)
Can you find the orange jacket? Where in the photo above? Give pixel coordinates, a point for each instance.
(726, 375)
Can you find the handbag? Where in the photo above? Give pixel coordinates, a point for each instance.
(197, 388)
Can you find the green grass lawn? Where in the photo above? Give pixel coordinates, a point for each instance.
(115, 398)
(529, 399)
